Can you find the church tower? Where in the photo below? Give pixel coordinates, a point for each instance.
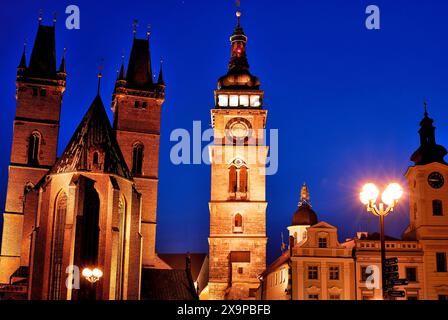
(237, 241)
(428, 199)
(39, 90)
(137, 103)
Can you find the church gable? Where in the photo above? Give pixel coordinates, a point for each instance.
(93, 146)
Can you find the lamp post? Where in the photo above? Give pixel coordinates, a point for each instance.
(389, 198)
(92, 276)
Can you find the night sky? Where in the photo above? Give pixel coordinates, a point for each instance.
(347, 101)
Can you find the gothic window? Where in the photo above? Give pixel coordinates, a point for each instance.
(243, 179)
(120, 248)
(137, 159)
(57, 269)
(437, 208)
(33, 148)
(232, 179)
(238, 178)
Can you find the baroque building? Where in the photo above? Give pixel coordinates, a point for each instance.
(95, 205)
(237, 241)
(305, 272)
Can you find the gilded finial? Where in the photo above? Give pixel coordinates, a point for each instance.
(238, 11)
(304, 195)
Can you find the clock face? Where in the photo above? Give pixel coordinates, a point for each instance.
(436, 180)
(238, 129)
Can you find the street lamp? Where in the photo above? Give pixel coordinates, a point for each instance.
(390, 197)
(92, 275)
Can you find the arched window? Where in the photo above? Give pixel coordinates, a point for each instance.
(95, 158)
(233, 179)
(238, 220)
(437, 208)
(57, 269)
(33, 148)
(238, 223)
(121, 248)
(137, 159)
(243, 179)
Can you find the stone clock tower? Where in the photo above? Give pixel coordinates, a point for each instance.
(238, 159)
(428, 198)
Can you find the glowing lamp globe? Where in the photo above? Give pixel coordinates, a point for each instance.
(369, 193)
(87, 273)
(392, 193)
(97, 273)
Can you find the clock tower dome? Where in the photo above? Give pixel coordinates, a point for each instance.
(428, 200)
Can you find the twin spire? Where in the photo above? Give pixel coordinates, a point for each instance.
(139, 70)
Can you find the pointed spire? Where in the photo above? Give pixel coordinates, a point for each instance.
(22, 64)
(121, 72)
(160, 80)
(54, 18)
(62, 68)
(42, 62)
(304, 195)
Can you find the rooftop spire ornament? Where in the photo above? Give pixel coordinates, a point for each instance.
(100, 75)
(425, 104)
(304, 195)
(40, 16)
(134, 27)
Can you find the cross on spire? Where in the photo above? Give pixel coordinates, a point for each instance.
(425, 104)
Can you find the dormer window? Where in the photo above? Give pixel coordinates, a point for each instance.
(137, 104)
(323, 242)
(43, 92)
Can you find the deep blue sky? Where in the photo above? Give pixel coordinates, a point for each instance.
(347, 101)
